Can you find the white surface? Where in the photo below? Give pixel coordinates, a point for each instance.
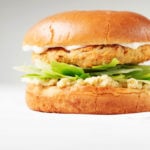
(23, 129)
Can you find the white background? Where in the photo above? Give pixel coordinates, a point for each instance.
(23, 129)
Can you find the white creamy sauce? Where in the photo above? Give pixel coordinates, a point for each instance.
(38, 49)
(35, 48)
(145, 63)
(134, 45)
(99, 81)
(39, 82)
(73, 47)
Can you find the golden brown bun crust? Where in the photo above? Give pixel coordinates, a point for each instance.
(87, 99)
(89, 28)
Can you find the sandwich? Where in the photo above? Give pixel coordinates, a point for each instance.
(89, 62)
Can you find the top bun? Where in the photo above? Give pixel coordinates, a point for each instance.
(89, 28)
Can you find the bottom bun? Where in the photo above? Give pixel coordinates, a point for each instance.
(87, 99)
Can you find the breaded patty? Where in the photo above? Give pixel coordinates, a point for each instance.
(95, 55)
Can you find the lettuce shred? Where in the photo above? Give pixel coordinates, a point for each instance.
(58, 70)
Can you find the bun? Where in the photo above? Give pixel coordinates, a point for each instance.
(89, 28)
(87, 99)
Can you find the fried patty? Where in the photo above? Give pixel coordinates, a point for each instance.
(95, 55)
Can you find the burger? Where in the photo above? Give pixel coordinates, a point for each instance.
(89, 62)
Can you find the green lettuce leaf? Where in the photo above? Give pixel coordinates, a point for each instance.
(66, 69)
(112, 64)
(57, 70)
(126, 71)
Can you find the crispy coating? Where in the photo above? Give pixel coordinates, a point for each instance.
(95, 55)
